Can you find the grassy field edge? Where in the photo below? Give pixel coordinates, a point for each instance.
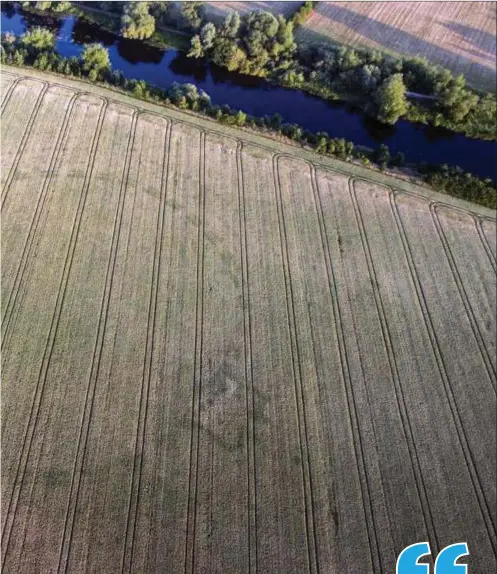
(337, 165)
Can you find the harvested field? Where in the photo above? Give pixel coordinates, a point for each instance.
(217, 11)
(460, 36)
(223, 354)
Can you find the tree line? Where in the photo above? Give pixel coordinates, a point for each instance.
(261, 44)
(37, 48)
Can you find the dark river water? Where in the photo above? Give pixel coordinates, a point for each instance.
(258, 97)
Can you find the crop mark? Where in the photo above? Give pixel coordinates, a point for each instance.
(484, 508)
(484, 240)
(28, 245)
(198, 336)
(42, 376)
(249, 375)
(464, 296)
(387, 339)
(24, 141)
(312, 549)
(347, 381)
(84, 430)
(189, 565)
(134, 500)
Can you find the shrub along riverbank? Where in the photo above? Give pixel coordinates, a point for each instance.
(36, 48)
(260, 44)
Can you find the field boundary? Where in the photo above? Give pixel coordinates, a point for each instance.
(261, 141)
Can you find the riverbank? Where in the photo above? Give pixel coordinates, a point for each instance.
(264, 139)
(260, 99)
(448, 180)
(419, 110)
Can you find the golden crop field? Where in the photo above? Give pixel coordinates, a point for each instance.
(459, 35)
(224, 354)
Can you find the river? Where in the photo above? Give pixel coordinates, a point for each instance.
(258, 97)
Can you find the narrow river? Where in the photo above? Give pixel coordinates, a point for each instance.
(258, 97)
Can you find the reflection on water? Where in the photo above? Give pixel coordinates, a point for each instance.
(259, 98)
(85, 33)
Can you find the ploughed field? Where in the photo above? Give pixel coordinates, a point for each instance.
(458, 35)
(222, 358)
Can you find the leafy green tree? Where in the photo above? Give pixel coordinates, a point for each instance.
(95, 60)
(61, 6)
(455, 98)
(368, 77)
(303, 13)
(188, 96)
(42, 5)
(141, 90)
(293, 78)
(136, 21)
(321, 143)
(381, 156)
(391, 99)
(284, 37)
(228, 54)
(196, 48)
(193, 13)
(18, 57)
(208, 35)
(231, 25)
(38, 40)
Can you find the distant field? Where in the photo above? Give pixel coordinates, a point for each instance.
(225, 355)
(218, 10)
(458, 35)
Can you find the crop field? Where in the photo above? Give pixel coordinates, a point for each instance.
(460, 36)
(222, 355)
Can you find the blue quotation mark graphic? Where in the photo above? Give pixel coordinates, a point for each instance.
(407, 562)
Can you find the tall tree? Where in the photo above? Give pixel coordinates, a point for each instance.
(208, 35)
(196, 48)
(193, 13)
(231, 25)
(95, 60)
(391, 99)
(136, 21)
(38, 40)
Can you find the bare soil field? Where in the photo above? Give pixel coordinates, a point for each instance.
(218, 10)
(226, 355)
(460, 36)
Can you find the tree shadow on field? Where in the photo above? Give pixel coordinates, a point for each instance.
(483, 41)
(396, 41)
